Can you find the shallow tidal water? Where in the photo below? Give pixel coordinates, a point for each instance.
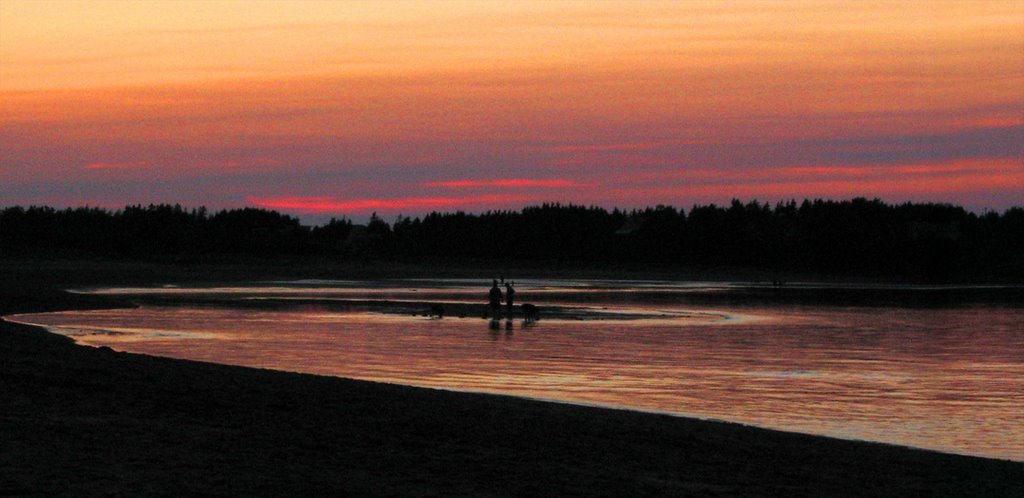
(947, 378)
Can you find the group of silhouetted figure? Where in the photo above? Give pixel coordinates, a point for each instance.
(495, 297)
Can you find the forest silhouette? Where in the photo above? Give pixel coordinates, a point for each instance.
(850, 237)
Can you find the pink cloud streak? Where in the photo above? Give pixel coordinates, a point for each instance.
(321, 204)
(801, 174)
(510, 182)
(116, 165)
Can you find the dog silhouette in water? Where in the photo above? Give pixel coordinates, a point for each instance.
(436, 310)
(530, 313)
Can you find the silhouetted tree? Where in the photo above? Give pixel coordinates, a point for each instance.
(858, 236)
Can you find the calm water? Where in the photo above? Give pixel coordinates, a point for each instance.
(949, 379)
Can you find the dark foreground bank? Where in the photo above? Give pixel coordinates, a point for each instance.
(84, 421)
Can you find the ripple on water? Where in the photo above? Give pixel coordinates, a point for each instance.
(946, 379)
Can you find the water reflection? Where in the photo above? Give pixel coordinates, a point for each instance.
(947, 379)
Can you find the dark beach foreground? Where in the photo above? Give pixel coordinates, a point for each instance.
(79, 421)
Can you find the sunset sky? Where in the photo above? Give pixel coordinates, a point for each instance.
(343, 108)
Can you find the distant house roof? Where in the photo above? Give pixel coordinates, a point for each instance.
(357, 232)
(629, 227)
(935, 230)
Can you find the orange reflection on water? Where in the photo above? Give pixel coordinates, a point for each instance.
(950, 379)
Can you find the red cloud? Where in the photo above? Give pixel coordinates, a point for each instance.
(116, 165)
(599, 147)
(511, 182)
(798, 175)
(334, 205)
(934, 180)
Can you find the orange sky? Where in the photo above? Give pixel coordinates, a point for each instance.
(347, 107)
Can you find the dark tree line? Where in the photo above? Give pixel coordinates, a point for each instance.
(860, 236)
(160, 230)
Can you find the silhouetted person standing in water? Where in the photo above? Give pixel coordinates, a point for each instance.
(509, 298)
(495, 300)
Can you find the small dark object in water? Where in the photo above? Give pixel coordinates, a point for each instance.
(437, 310)
(530, 313)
